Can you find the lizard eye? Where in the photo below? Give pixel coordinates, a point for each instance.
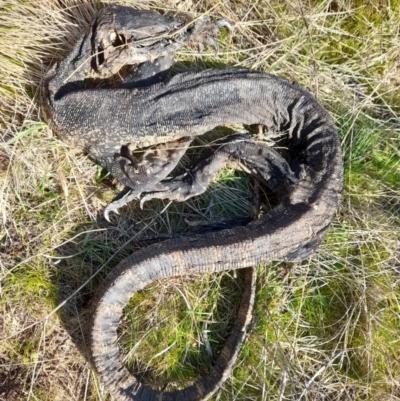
(117, 39)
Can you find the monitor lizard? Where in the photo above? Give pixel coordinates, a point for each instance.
(109, 118)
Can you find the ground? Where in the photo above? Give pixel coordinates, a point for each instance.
(326, 329)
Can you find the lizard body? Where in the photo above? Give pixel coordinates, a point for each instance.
(147, 110)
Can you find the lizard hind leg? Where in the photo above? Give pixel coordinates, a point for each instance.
(197, 176)
(258, 158)
(144, 175)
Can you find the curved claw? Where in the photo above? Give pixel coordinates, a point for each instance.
(110, 208)
(116, 204)
(145, 199)
(224, 23)
(213, 43)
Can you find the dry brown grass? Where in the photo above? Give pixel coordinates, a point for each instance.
(325, 330)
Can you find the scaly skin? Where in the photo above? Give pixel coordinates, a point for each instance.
(105, 120)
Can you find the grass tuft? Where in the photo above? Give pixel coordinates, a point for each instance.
(326, 329)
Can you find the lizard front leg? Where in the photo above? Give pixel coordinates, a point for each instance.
(145, 175)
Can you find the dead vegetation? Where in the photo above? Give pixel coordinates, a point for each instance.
(324, 330)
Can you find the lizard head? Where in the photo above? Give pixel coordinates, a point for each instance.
(124, 36)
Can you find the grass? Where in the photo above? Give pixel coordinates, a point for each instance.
(184, 326)
(326, 329)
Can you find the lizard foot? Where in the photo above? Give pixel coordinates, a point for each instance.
(177, 189)
(116, 204)
(146, 174)
(205, 32)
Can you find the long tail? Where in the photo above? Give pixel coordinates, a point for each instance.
(290, 231)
